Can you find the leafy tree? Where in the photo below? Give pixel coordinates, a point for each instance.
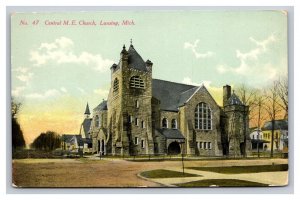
(47, 141)
(17, 134)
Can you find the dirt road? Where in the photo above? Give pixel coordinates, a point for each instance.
(102, 173)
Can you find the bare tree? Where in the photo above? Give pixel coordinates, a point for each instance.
(272, 108)
(246, 95)
(259, 102)
(282, 90)
(15, 108)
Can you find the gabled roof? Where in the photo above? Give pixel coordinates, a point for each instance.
(101, 106)
(279, 125)
(169, 93)
(135, 60)
(67, 137)
(186, 95)
(234, 100)
(171, 133)
(78, 138)
(86, 125)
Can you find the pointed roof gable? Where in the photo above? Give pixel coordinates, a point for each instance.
(87, 110)
(234, 100)
(101, 106)
(135, 60)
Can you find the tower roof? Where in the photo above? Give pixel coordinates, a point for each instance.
(234, 100)
(135, 60)
(87, 110)
(101, 106)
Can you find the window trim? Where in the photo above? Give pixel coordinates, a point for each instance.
(142, 143)
(137, 104)
(136, 121)
(208, 145)
(97, 121)
(174, 120)
(136, 140)
(203, 122)
(143, 124)
(162, 122)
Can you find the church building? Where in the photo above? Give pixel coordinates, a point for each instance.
(143, 115)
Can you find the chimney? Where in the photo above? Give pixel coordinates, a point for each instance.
(226, 94)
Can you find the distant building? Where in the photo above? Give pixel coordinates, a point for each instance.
(259, 140)
(143, 115)
(280, 135)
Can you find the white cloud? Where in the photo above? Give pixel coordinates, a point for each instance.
(61, 52)
(81, 90)
(261, 47)
(25, 77)
(17, 91)
(63, 89)
(21, 69)
(188, 81)
(188, 45)
(253, 55)
(46, 94)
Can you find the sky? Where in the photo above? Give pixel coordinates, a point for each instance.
(56, 68)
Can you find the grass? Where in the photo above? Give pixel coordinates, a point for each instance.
(222, 183)
(162, 173)
(244, 169)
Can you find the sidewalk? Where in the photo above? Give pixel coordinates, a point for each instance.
(279, 178)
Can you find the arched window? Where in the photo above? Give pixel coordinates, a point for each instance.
(116, 85)
(174, 124)
(97, 121)
(137, 104)
(136, 82)
(143, 124)
(164, 123)
(203, 119)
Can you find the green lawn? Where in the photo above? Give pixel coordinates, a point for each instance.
(162, 173)
(244, 169)
(221, 183)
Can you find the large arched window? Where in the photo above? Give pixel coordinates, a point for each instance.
(174, 124)
(164, 123)
(116, 85)
(97, 121)
(203, 119)
(137, 82)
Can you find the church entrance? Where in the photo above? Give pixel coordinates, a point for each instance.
(174, 148)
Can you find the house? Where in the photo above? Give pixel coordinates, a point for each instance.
(280, 141)
(143, 115)
(259, 140)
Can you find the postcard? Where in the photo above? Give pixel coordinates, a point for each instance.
(173, 98)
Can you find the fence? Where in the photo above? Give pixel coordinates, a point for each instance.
(30, 153)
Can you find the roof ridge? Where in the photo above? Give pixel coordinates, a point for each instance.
(173, 82)
(189, 90)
